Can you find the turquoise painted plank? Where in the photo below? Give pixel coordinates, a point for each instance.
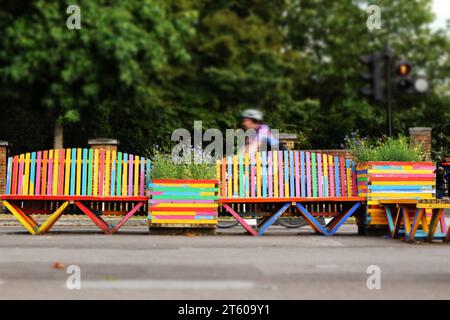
(84, 172)
(303, 173)
(292, 175)
(119, 174)
(264, 173)
(241, 176)
(337, 178)
(148, 169)
(72, 171)
(90, 171)
(230, 173)
(33, 171)
(286, 168)
(205, 217)
(8, 176)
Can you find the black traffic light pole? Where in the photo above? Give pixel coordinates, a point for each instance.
(388, 55)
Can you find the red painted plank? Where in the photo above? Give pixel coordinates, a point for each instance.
(74, 198)
(306, 199)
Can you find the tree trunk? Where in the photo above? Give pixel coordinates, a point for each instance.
(58, 135)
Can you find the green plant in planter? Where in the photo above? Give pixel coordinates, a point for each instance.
(163, 167)
(385, 149)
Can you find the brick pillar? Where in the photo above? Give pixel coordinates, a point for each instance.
(4, 150)
(103, 143)
(421, 136)
(288, 140)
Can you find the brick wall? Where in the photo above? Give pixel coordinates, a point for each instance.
(421, 136)
(3, 164)
(102, 143)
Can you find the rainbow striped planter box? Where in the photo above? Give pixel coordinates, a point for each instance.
(183, 204)
(380, 180)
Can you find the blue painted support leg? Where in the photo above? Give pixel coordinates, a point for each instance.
(273, 218)
(387, 209)
(415, 225)
(309, 217)
(344, 218)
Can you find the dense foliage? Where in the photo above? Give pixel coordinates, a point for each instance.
(138, 69)
(384, 149)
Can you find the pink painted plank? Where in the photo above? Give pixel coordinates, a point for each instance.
(280, 174)
(240, 220)
(38, 173)
(297, 174)
(62, 155)
(101, 174)
(50, 177)
(269, 164)
(331, 177)
(142, 177)
(130, 174)
(253, 174)
(319, 174)
(308, 174)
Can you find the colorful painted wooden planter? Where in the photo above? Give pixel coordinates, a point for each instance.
(183, 204)
(382, 180)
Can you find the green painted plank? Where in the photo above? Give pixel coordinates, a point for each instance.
(314, 174)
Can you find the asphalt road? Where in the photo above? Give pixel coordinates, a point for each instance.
(282, 264)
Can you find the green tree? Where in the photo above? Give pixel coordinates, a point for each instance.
(117, 58)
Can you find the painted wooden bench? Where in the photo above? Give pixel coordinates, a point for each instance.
(301, 183)
(94, 181)
(413, 219)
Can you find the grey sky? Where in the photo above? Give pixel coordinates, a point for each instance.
(441, 9)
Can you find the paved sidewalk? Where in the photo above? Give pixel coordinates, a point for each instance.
(279, 265)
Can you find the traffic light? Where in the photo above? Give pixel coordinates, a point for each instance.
(404, 83)
(374, 76)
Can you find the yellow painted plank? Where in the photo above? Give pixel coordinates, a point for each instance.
(235, 175)
(78, 170)
(247, 174)
(55, 172)
(55, 216)
(207, 193)
(275, 173)
(26, 176)
(19, 217)
(258, 174)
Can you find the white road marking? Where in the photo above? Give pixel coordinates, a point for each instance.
(167, 284)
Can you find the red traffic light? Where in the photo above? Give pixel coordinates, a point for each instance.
(403, 69)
